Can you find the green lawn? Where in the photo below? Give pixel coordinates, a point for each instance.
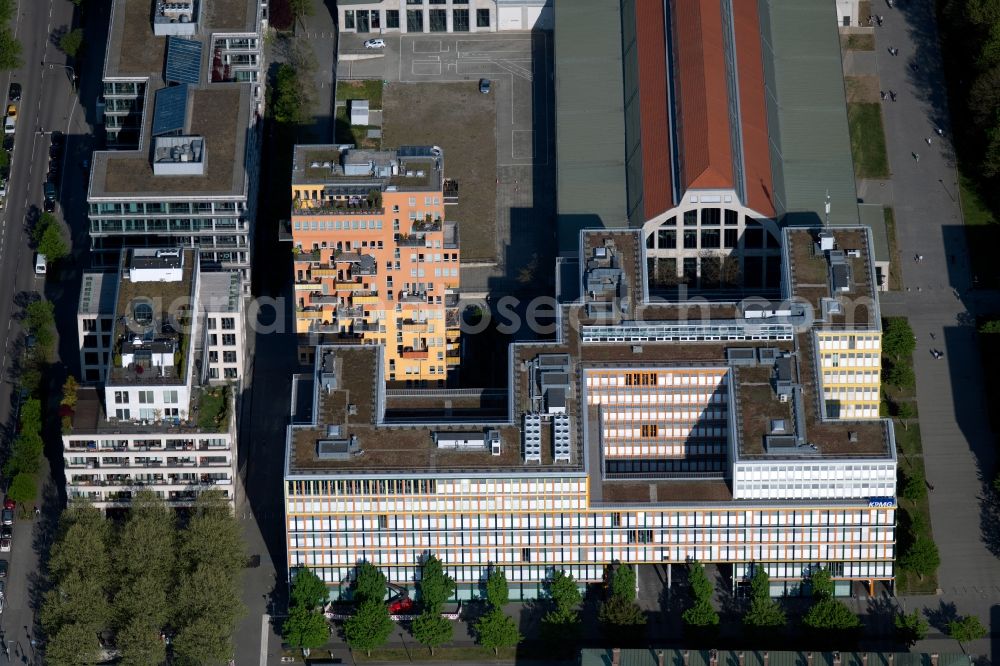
(895, 279)
(369, 89)
(857, 42)
(867, 140)
(356, 134)
(908, 582)
(213, 408)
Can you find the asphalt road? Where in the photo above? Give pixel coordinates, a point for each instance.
(48, 103)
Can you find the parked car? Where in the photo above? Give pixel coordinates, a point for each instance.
(8, 143)
(12, 111)
(375, 44)
(8, 503)
(6, 532)
(3, 568)
(14, 92)
(4, 545)
(484, 86)
(7, 516)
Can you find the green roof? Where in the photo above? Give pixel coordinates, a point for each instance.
(590, 131)
(807, 112)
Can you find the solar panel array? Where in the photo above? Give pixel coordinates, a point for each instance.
(169, 110)
(183, 60)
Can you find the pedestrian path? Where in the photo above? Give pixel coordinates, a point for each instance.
(957, 440)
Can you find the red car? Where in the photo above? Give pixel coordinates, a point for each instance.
(8, 503)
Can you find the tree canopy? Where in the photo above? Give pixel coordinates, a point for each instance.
(495, 630)
(898, 341)
(432, 630)
(369, 627)
(966, 629)
(497, 592)
(436, 587)
(308, 590)
(369, 584)
(763, 612)
(305, 628)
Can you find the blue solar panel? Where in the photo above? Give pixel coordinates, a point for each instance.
(169, 110)
(183, 60)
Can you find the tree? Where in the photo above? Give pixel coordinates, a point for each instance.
(911, 628)
(203, 640)
(10, 50)
(436, 587)
(898, 341)
(495, 630)
(900, 374)
(7, 9)
(288, 100)
(23, 488)
(73, 645)
(140, 644)
(369, 627)
(301, 8)
(305, 628)
(566, 600)
(913, 487)
(830, 615)
(432, 630)
(821, 584)
(764, 612)
(966, 629)
(45, 220)
(620, 612)
(71, 42)
(497, 592)
(904, 411)
(213, 536)
(701, 586)
(369, 585)
(38, 315)
(308, 589)
(52, 244)
(25, 458)
(622, 582)
(700, 615)
(921, 557)
(70, 388)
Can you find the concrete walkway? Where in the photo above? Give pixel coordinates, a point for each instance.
(957, 439)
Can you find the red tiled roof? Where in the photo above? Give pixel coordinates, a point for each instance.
(653, 119)
(706, 153)
(753, 113)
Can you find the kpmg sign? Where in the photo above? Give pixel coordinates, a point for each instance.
(882, 502)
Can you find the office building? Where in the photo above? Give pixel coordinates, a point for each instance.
(181, 109)
(161, 418)
(380, 16)
(375, 262)
(738, 433)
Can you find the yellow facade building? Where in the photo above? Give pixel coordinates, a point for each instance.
(375, 261)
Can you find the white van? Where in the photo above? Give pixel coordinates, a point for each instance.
(40, 264)
(8, 125)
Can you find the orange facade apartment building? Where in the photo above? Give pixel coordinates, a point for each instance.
(374, 259)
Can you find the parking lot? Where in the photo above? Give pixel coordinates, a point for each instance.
(431, 98)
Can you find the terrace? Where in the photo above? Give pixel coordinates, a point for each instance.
(210, 411)
(810, 274)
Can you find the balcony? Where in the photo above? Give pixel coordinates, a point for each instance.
(420, 354)
(355, 206)
(350, 311)
(413, 325)
(404, 240)
(319, 298)
(426, 225)
(451, 241)
(413, 297)
(309, 312)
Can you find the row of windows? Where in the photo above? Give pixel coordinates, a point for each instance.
(347, 225)
(675, 414)
(144, 397)
(682, 398)
(364, 20)
(228, 323)
(654, 431)
(159, 208)
(228, 340)
(639, 379)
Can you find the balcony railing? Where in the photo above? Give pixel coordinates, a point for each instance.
(411, 241)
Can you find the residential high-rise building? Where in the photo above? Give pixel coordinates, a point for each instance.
(375, 261)
(740, 433)
(168, 341)
(181, 109)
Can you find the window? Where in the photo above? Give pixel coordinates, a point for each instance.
(729, 238)
(228, 323)
(439, 20)
(123, 414)
(460, 20)
(229, 373)
(732, 218)
(414, 2)
(145, 397)
(640, 536)
(616, 519)
(439, 2)
(142, 313)
(229, 357)
(349, 19)
(213, 373)
(691, 218)
(229, 339)
(711, 217)
(414, 23)
(147, 414)
(213, 340)
(211, 324)
(392, 18)
(525, 554)
(482, 18)
(170, 397)
(649, 431)
(690, 239)
(383, 521)
(213, 357)
(710, 238)
(89, 325)
(121, 397)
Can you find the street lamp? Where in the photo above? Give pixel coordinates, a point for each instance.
(72, 72)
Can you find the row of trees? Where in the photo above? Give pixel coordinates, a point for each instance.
(10, 48)
(144, 580)
(49, 238)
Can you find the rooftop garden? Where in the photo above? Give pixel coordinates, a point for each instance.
(213, 409)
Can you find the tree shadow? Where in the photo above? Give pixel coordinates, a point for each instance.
(940, 617)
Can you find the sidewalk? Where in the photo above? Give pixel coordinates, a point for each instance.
(957, 440)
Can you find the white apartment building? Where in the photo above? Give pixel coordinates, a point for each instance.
(164, 417)
(181, 108)
(646, 432)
